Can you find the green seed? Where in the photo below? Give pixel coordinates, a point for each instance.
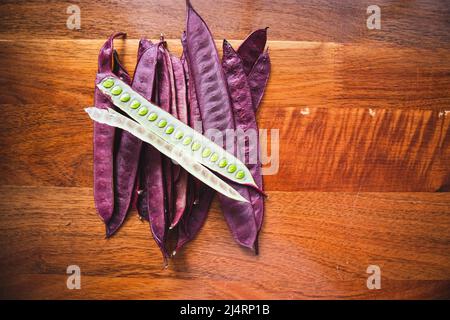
(240, 174)
(187, 141)
(143, 111)
(214, 157)
(135, 104)
(231, 168)
(196, 146)
(223, 163)
(125, 97)
(170, 129)
(162, 123)
(152, 117)
(179, 135)
(164, 130)
(206, 153)
(116, 90)
(108, 83)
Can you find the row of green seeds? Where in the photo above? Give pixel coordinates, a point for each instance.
(125, 97)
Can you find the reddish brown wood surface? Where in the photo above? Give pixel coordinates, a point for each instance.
(421, 23)
(363, 119)
(314, 245)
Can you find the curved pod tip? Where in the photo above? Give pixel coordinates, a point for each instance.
(227, 46)
(118, 34)
(257, 189)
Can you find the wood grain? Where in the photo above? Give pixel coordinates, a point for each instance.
(363, 119)
(304, 74)
(314, 245)
(422, 23)
(328, 149)
(345, 115)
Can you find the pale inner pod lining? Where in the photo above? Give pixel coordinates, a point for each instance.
(115, 119)
(175, 132)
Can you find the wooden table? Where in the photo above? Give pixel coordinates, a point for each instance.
(363, 117)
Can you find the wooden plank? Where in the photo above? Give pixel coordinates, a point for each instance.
(51, 286)
(422, 23)
(363, 120)
(360, 150)
(321, 149)
(313, 245)
(304, 74)
(322, 146)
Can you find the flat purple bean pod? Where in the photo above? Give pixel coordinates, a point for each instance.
(200, 196)
(165, 103)
(245, 120)
(140, 191)
(216, 112)
(118, 65)
(181, 181)
(191, 223)
(128, 153)
(152, 199)
(173, 110)
(258, 77)
(180, 89)
(252, 47)
(104, 138)
(195, 118)
(144, 44)
(119, 69)
(155, 186)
